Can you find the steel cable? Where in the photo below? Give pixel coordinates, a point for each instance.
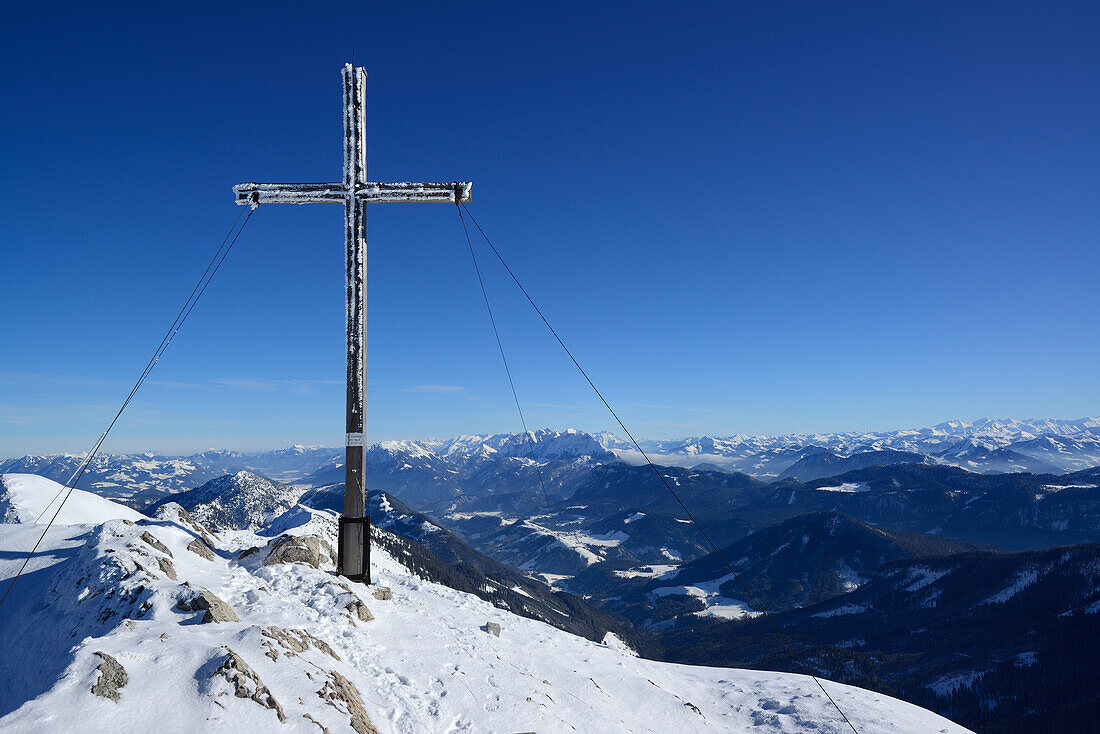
(660, 476)
(181, 317)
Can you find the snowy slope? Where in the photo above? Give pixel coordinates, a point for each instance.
(25, 497)
(99, 598)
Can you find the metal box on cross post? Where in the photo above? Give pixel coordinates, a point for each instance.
(353, 550)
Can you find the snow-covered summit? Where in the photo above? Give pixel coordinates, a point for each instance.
(24, 498)
(240, 500)
(544, 445)
(156, 624)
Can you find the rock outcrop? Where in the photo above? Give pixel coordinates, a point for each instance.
(200, 548)
(246, 684)
(292, 549)
(359, 610)
(293, 641)
(215, 609)
(167, 568)
(173, 512)
(112, 676)
(149, 539)
(342, 695)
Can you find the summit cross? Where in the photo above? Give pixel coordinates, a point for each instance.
(355, 192)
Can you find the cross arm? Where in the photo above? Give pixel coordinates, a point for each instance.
(455, 192)
(371, 191)
(290, 193)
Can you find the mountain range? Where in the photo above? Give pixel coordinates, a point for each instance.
(567, 528)
(138, 623)
(828, 579)
(999, 642)
(441, 469)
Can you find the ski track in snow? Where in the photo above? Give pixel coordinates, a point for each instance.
(425, 664)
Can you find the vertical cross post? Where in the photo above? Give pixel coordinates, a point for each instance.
(354, 192)
(354, 541)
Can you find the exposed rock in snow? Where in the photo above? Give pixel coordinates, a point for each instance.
(246, 684)
(291, 549)
(295, 641)
(213, 608)
(112, 676)
(167, 568)
(149, 539)
(200, 549)
(341, 694)
(173, 512)
(357, 608)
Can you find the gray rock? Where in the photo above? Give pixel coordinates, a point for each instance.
(112, 676)
(246, 684)
(342, 695)
(492, 628)
(383, 593)
(293, 641)
(200, 548)
(148, 538)
(291, 549)
(167, 568)
(359, 609)
(216, 609)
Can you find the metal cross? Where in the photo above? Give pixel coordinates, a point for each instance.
(355, 192)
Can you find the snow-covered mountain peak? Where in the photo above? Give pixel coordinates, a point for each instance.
(174, 635)
(547, 444)
(411, 448)
(543, 444)
(240, 500)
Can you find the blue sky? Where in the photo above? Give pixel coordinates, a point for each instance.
(759, 218)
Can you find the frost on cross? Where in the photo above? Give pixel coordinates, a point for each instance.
(354, 192)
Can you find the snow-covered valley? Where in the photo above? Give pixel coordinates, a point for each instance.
(138, 623)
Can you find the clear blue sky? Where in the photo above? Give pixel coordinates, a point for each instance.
(758, 218)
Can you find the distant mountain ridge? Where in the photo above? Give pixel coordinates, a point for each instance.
(1040, 446)
(1073, 445)
(796, 562)
(999, 642)
(820, 465)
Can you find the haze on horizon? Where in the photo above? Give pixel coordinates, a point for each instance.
(629, 455)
